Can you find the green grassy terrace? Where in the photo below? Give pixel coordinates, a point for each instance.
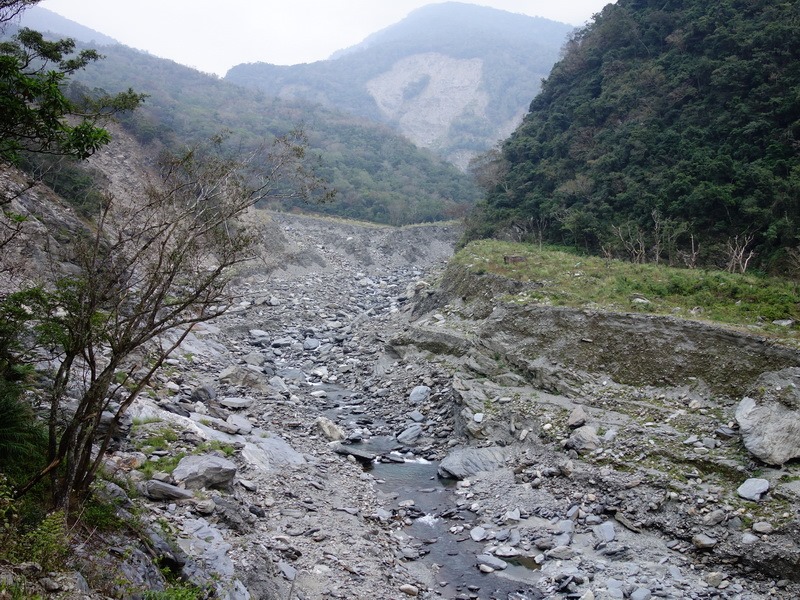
(559, 277)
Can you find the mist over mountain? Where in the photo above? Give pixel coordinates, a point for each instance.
(452, 77)
(41, 19)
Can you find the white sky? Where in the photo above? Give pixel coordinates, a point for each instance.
(213, 36)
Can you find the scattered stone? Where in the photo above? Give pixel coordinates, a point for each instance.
(577, 418)
(605, 532)
(330, 430)
(410, 435)
(641, 594)
(205, 471)
(561, 553)
(420, 394)
(770, 425)
(753, 489)
(583, 440)
(762, 527)
(702, 541)
(416, 416)
(410, 590)
(159, 490)
(478, 533)
(466, 462)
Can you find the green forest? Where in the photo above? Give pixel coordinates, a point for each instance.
(378, 175)
(669, 131)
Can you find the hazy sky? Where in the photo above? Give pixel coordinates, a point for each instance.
(212, 36)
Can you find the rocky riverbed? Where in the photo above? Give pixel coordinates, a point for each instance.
(313, 427)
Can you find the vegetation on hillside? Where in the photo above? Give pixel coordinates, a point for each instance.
(559, 276)
(517, 51)
(378, 175)
(669, 131)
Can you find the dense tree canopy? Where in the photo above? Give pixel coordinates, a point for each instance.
(665, 123)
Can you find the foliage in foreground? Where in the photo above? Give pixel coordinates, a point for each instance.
(563, 278)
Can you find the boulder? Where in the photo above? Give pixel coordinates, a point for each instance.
(159, 490)
(330, 430)
(270, 452)
(410, 434)
(420, 394)
(584, 439)
(465, 462)
(206, 471)
(770, 425)
(753, 489)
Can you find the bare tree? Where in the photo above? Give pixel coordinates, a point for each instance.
(690, 258)
(151, 270)
(633, 241)
(737, 252)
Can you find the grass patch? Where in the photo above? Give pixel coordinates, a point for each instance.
(562, 278)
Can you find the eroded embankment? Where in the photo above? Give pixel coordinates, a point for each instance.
(631, 348)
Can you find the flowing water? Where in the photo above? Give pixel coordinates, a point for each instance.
(451, 556)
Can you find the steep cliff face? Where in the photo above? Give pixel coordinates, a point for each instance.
(424, 94)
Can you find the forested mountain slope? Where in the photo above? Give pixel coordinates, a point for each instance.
(453, 77)
(665, 119)
(378, 175)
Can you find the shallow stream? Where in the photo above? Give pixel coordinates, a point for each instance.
(451, 556)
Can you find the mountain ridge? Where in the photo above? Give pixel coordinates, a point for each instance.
(503, 77)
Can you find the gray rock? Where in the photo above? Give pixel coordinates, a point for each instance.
(270, 452)
(753, 489)
(605, 532)
(329, 429)
(409, 590)
(507, 551)
(311, 344)
(561, 553)
(420, 394)
(702, 541)
(204, 393)
(771, 432)
(762, 527)
(287, 570)
(641, 594)
(478, 533)
(159, 490)
(206, 471)
(577, 418)
(237, 403)
(255, 358)
(749, 538)
(770, 424)
(584, 439)
(491, 561)
(416, 416)
(410, 435)
(240, 424)
(465, 462)
(357, 453)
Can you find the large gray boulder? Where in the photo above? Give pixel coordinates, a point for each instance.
(465, 462)
(206, 471)
(769, 419)
(159, 490)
